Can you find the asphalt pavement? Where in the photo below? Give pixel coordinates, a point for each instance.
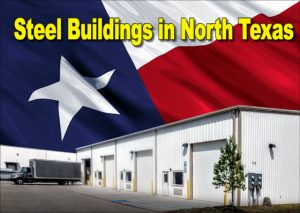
(38, 198)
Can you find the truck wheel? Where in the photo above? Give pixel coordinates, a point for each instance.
(62, 182)
(20, 181)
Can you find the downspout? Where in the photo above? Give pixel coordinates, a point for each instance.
(155, 161)
(238, 139)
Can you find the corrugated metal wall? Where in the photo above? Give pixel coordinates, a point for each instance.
(280, 173)
(97, 162)
(83, 154)
(171, 154)
(125, 160)
(258, 129)
(211, 128)
(80, 156)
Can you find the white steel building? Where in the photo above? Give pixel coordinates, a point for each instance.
(177, 159)
(14, 157)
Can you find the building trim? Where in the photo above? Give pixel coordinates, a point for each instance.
(239, 108)
(239, 144)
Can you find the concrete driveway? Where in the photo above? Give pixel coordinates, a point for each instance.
(78, 198)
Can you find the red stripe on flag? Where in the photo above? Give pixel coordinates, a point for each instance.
(189, 81)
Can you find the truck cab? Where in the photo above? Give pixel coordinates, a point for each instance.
(24, 174)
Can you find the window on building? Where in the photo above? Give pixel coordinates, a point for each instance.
(12, 166)
(121, 175)
(166, 178)
(178, 178)
(100, 175)
(128, 176)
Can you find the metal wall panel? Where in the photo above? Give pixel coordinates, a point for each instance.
(172, 155)
(63, 156)
(83, 154)
(80, 156)
(212, 128)
(125, 159)
(109, 174)
(280, 170)
(98, 152)
(22, 155)
(144, 169)
(205, 155)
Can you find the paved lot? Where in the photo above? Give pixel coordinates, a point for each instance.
(78, 198)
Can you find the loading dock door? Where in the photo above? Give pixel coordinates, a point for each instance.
(109, 171)
(205, 155)
(144, 171)
(87, 171)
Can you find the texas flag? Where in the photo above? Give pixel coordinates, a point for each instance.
(61, 95)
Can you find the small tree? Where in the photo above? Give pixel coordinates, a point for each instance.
(229, 171)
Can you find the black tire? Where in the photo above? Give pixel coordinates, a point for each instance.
(62, 182)
(20, 181)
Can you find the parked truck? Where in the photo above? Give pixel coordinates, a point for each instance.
(61, 172)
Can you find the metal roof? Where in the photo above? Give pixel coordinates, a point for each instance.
(238, 107)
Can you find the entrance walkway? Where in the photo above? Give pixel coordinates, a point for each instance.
(143, 201)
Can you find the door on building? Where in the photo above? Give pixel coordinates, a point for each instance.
(12, 166)
(95, 178)
(205, 155)
(87, 171)
(109, 168)
(165, 183)
(121, 179)
(99, 178)
(144, 167)
(128, 180)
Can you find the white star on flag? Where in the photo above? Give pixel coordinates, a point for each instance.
(73, 91)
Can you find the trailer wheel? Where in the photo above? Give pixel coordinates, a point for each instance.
(19, 181)
(62, 182)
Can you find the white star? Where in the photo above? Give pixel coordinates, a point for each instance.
(74, 91)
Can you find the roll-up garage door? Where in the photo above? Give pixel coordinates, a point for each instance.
(205, 155)
(144, 171)
(109, 171)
